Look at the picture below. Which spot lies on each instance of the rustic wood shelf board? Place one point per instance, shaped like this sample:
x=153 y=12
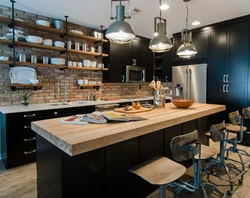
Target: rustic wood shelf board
x=86 y=53
x=34 y=26
x=87 y=68
x=90 y=85
x=16 y=86
x=27 y=64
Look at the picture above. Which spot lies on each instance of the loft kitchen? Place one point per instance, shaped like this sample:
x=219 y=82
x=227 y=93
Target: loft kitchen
x=124 y=98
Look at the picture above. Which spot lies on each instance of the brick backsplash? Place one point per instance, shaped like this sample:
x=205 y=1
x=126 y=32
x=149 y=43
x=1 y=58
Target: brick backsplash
x=50 y=77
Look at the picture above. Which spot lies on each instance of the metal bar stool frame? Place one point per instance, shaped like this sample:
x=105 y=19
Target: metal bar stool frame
x=197 y=184
x=219 y=133
x=237 y=119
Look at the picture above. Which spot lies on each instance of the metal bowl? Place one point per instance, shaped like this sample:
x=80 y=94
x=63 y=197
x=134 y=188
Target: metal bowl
x=182 y=103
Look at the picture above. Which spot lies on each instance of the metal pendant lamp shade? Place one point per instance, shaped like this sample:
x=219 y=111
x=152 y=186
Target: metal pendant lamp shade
x=120 y=31
x=160 y=43
x=187 y=49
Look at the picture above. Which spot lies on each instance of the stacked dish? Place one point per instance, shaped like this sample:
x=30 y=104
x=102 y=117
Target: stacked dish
x=47 y=42
x=59 y=44
x=43 y=23
x=34 y=39
x=76 y=32
x=57 y=61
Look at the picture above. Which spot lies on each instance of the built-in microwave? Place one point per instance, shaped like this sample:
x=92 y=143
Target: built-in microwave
x=135 y=74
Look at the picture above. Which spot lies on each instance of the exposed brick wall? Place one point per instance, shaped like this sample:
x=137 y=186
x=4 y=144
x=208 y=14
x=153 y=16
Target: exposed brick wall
x=50 y=77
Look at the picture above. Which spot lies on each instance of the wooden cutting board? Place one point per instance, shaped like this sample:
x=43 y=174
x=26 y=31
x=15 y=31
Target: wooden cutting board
x=142 y=109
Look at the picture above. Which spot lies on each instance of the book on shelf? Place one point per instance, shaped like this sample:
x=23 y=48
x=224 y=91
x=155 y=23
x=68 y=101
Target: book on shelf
x=121 y=117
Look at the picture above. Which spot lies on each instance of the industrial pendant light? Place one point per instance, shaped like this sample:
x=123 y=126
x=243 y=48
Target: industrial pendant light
x=187 y=49
x=120 y=31
x=160 y=43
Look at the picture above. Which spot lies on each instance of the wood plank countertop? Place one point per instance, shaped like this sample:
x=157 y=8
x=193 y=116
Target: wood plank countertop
x=77 y=139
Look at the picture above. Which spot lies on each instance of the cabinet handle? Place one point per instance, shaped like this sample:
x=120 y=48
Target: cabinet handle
x=224 y=78
x=227 y=90
x=26 y=116
x=123 y=78
x=224 y=86
x=31 y=139
x=55 y=113
x=27 y=127
x=29 y=152
x=227 y=78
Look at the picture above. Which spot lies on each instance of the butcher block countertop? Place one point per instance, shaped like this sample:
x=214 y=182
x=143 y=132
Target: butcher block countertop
x=77 y=139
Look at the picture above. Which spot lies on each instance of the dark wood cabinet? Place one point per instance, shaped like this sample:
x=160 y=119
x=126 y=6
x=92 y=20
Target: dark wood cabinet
x=18 y=141
x=122 y=55
x=228 y=66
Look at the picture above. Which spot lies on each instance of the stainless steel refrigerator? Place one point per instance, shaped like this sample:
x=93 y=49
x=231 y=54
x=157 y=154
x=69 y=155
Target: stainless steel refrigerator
x=190 y=82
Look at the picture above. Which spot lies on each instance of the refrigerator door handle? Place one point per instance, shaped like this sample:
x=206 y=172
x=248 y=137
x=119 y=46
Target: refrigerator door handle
x=189 y=82
x=224 y=78
x=224 y=86
x=227 y=78
x=186 y=81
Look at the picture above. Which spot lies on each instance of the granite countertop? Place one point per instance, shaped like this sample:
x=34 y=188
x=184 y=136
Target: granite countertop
x=76 y=139
x=49 y=106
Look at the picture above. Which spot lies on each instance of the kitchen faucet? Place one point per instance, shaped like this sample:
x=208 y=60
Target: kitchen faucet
x=65 y=89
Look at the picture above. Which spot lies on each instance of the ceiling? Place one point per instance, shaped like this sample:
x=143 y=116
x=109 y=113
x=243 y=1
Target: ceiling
x=92 y=13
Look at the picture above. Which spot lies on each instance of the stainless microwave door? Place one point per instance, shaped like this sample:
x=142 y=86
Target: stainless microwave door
x=179 y=76
x=198 y=83
x=135 y=74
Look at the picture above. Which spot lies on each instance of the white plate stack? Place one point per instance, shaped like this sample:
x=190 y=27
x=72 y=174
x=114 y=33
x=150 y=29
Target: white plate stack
x=57 y=61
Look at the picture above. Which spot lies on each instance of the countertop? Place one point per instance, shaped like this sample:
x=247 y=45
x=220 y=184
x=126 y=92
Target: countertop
x=48 y=106
x=76 y=139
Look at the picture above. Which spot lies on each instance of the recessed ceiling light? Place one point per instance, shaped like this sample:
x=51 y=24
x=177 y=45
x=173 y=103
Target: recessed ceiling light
x=195 y=23
x=164 y=6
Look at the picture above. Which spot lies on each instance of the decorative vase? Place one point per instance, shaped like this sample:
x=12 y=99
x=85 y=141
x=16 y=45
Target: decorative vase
x=25 y=103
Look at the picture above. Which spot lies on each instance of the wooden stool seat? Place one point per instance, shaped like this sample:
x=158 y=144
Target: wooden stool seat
x=230 y=135
x=206 y=152
x=234 y=128
x=159 y=171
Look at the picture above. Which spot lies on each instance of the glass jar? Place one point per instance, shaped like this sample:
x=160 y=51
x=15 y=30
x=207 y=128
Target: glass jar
x=159 y=99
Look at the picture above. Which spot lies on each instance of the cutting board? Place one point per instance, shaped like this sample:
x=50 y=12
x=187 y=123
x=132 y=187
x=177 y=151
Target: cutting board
x=142 y=109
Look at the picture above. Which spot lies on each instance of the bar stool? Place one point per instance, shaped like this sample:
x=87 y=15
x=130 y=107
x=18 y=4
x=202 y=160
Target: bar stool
x=163 y=171
x=236 y=127
x=218 y=133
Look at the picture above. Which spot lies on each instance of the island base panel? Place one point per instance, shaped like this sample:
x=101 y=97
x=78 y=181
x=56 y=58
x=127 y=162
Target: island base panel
x=103 y=172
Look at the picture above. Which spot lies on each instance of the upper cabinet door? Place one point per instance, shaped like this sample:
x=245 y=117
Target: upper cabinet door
x=219 y=60
x=137 y=51
x=239 y=42
x=147 y=59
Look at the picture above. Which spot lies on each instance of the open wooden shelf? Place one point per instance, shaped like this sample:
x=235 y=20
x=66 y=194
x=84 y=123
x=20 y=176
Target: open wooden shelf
x=34 y=26
x=32 y=45
x=33 y=64
x=16 y=86
x=84 y=37
x=87 y=68
x=90 y=85
x=72 y=51
x=45 y=47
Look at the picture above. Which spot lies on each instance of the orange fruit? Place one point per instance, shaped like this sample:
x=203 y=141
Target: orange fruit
x=133 y=104
x=138 y=105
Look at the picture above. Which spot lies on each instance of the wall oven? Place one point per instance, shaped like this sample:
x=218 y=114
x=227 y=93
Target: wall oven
x=135 y=74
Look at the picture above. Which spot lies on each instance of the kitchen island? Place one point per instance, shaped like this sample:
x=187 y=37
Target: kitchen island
x=93 y=160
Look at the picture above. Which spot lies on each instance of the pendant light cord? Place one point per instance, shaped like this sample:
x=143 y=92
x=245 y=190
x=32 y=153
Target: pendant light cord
x=187 y=16
x=160 y=9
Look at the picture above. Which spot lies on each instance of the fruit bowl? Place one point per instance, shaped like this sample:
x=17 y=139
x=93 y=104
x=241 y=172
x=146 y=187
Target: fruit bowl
x=182 y=103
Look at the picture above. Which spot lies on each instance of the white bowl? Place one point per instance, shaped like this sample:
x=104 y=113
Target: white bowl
x=57 y=61
x=47 y=42
x=76 y=31
x=4 y=58
x=34 y=39
x=43 y=23
x=16 y=31
x=59 y=44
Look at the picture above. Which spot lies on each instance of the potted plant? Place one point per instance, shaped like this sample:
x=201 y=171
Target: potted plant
x=25 y=98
